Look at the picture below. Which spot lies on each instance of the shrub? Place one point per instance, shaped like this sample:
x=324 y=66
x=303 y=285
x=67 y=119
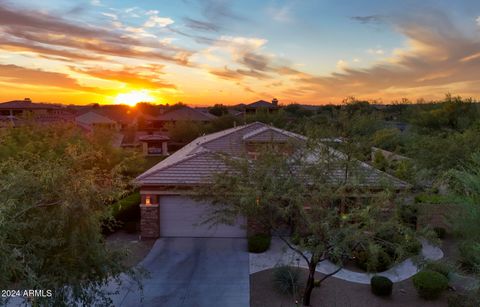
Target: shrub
x=430 y=284
x=470 y=255
x=440 y=232
x=259 y=243
x=413 y=247
x=381 y=286
x=439 y=267
x=408 y=215
x=286 y=280
x=371 y=262
x=126 y=209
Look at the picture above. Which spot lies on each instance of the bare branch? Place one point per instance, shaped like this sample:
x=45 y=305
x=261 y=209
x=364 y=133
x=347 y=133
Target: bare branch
x=295 y=249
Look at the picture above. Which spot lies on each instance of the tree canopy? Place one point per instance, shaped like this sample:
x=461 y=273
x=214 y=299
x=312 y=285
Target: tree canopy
x=55 y=186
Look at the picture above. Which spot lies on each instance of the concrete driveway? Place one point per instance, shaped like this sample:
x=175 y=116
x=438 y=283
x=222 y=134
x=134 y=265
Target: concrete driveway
x=194 y=272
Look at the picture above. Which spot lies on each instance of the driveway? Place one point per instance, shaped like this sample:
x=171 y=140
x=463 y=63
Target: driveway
x=194 y=272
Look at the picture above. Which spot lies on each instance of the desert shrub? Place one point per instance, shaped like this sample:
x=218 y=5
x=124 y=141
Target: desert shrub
x=286 y=280
x=440 y=232
x=413 y=246
x=373 y=262
x=430 y=284
x=408 y=215
x=440 y=267
x=381 y=286
x=259 y=243
x=470 y=256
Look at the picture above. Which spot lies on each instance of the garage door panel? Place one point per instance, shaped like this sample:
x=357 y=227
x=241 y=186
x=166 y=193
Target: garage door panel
x=183 y=217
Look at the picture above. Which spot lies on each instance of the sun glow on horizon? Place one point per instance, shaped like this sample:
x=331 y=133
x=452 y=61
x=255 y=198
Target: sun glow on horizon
x=133 y=97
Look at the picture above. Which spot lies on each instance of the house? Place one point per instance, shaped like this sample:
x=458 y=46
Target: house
x=92 y=120
x=154 y=144
x=261 y=105
x=171 y=117
x=39 y=112
x=167 y=210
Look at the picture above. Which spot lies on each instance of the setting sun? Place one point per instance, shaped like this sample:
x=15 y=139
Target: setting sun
x=134 y=97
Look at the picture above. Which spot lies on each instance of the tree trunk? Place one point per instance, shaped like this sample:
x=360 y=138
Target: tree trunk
x=310 y=282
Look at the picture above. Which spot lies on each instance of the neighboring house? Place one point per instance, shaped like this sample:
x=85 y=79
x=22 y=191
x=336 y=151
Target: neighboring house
x=167 y=210
x=92 y=120
x=154 y=144
x=261 y=105
x=39 y=112
x=171 y=117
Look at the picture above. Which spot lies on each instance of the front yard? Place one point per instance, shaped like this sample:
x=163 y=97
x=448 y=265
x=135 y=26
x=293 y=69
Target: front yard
x=337 y=292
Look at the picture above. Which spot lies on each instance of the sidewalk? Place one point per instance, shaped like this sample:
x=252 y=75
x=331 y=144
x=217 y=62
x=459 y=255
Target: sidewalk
x=280 y=254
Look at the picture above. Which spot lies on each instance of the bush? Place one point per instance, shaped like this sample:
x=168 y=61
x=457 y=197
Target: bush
x=286 y=280
x=413 y=247
x=408 y=215
x=430 y=284
x=439 y=267
x=470 y=256
x=378 y=262
x=381 y=286
x=259 y=243
x=127 y=209
x=440 y=232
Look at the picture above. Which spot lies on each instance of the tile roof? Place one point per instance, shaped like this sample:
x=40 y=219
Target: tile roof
x=262 y=104
x=93 y=118
x=27 y=104
x=185 y=113
x=196 y=161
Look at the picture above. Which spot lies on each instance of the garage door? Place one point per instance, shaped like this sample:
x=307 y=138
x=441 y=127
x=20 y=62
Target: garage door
x=182 y=217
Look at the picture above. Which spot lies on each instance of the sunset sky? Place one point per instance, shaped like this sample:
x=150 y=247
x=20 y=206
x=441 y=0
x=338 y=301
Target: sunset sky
x=213 y=51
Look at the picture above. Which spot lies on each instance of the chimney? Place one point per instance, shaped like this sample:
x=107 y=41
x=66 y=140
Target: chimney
x=275 y=102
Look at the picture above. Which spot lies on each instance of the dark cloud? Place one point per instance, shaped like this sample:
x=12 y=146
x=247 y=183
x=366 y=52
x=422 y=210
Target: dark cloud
x=238 y=74
x=368 y=19
x=28 y=27
x=201 y=25
x=216 y=16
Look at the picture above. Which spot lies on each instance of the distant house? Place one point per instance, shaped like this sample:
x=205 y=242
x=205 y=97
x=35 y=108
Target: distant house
x=39 y=112
x=171 y=117
x=154 y=144
x=92 y=120
x=167 y=208
x=261 y=105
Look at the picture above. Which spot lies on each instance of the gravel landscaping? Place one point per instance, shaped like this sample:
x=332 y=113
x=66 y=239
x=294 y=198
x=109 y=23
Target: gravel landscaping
x=337 y=292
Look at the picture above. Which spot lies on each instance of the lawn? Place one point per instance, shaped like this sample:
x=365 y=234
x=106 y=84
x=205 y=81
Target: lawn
x=337 y=292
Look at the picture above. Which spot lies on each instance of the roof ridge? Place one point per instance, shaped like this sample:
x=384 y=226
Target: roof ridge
x=190 y=147
x=186 y=158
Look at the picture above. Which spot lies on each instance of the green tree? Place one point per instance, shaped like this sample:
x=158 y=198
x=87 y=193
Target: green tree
x=55 y=187
x=303 y=190
x=218 y=110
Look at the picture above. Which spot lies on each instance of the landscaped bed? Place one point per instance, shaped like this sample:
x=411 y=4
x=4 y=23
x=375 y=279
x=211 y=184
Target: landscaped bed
x=337 y=292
